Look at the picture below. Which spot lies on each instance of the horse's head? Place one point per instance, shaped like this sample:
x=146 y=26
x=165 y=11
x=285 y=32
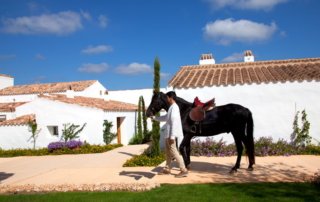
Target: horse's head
x=158 y=102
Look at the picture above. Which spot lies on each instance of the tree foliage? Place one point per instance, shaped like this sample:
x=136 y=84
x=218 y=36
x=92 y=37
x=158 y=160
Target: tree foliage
x=33 y=127
x=300 y=135
x=108 y=136
x=155 y=134
x=71 y=131
x=142 y=134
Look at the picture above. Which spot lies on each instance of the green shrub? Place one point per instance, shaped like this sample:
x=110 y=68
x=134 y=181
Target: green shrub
x=84 y=149
x=136 y=139
x=108 y=136
x=71 y=131
x=300 y=136
x=145 y=160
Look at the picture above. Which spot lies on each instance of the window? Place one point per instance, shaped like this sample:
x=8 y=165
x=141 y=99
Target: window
x=3 y=117
x=54 y=130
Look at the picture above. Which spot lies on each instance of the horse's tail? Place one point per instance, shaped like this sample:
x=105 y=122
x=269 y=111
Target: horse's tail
x=250 y=143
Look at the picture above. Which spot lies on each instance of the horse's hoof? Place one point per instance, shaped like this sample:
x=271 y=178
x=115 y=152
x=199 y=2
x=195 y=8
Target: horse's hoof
x=250 y=169
x=232 y=171
x=188 y=167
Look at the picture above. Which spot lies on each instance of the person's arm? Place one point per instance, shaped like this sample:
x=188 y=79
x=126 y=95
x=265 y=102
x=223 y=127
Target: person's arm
x=160 y=118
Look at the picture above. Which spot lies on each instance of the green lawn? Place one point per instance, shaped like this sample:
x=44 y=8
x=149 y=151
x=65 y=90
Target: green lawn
x=194 y=192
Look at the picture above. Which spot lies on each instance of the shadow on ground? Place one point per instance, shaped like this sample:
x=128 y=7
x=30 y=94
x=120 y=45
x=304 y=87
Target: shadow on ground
x=4 y=176
x=137 y=175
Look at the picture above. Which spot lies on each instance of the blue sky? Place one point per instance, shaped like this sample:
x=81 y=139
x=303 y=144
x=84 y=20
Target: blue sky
x=116 y=41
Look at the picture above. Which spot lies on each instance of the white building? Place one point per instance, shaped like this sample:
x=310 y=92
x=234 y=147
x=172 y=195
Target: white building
x=56 y=104
x=272 y=90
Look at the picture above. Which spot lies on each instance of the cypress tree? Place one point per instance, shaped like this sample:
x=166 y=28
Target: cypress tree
x=140 y=138
x=144 y=120
x=155 y=147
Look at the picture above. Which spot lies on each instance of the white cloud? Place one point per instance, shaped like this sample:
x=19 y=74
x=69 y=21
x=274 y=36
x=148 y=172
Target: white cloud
x=246 y=4
x=97 y=49
x=93 y=68
x=103 y=21
x=40 y=57
x=85 y=15
x=134 y=68
x=235 y=57
x=229 y=30
x=59 y=24
x=164 y=75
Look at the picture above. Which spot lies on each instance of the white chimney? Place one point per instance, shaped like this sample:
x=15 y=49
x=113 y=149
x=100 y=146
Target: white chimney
x=70 y=92
x=248 y=56
x=6 y=81
x=206 y=59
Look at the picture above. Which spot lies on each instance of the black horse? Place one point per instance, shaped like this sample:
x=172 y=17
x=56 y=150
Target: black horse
x=232 y=118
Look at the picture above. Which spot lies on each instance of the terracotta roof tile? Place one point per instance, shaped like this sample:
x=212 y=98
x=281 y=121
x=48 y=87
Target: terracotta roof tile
x=10 y=107
x=21 y=120
x=216 y=77
x=110 y=105
x=46 y=88
x=4 y=75
x=247 y=73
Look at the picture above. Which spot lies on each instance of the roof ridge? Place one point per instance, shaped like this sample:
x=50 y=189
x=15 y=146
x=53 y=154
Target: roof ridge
x=99 y=103
x=233 y=64
x=47 y=87
x=20 y=120
x=65 y=82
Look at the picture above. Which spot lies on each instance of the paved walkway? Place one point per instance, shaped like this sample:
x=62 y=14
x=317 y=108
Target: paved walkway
x=107 y=168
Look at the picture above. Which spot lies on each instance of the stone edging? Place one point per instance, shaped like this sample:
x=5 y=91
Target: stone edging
x=104 y=187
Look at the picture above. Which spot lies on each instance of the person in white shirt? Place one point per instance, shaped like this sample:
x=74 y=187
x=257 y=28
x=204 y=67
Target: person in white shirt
x=173 y=135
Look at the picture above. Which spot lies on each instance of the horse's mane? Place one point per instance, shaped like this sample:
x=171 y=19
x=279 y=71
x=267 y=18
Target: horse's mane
x=183 y=101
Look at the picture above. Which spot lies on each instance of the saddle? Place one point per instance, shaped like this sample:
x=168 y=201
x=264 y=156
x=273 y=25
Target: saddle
x=198 y=111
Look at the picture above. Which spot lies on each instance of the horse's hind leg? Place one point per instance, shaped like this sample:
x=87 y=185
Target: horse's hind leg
x=188 y=151
x=185 y=150
x=246 y=144
x=239 y=146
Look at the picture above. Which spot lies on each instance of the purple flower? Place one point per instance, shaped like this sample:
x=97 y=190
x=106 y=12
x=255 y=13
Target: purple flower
x=55 y=145
x=74 y=144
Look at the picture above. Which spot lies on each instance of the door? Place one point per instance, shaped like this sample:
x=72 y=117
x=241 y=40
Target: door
x=119 y=122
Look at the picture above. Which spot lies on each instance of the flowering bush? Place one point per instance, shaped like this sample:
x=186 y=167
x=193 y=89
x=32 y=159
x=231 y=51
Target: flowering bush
x=210 y=147
x=55 y=146
x=264 y=146
x=72 y=144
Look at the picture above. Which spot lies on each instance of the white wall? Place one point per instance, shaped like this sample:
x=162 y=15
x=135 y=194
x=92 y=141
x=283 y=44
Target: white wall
x=93 y=91
x=127 y=126
x=9 y=115
x=18 y=98
x=13 y=137
x=54 y=113
x=6 y=81
x=132 y=96
x=273 y=105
